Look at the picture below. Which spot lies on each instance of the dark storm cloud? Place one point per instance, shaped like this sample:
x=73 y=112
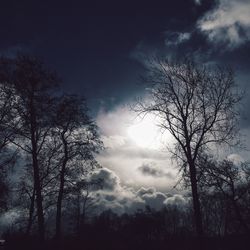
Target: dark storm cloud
x=109 y=180
x=151 y=170
x=100 y=51
x=89 y=43
x=219 y=35
x=226 y=28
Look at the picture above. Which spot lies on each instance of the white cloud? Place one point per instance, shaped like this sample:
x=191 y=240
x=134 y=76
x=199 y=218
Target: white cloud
x=150 y=169
x=152 y=198
x=124 y=154
x=228 y=23
x=113 y=141
x=113 y=195
x=122 y=199
x=235 y=158
x=176 y=38
x=113 y=123
x=119 y=202
x=177 y=200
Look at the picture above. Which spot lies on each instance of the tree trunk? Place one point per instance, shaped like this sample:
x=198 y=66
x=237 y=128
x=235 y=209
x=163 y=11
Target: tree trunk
x=84 y=207
x=78 y=215
x=37 y=183
x=61 y=190
x=194 y=187
x=39 y=198
x=196 y=201
x=59 y=204
x=31 y=212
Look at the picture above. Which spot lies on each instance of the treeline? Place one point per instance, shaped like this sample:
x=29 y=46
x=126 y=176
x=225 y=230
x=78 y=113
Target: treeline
x=47 y=140
x=172 y=227
x=225 y=204
x=224 y=188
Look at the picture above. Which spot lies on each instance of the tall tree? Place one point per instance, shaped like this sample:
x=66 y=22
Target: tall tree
x=196 y=104
x=79 y=142
x=7 y=155
x=33 y=85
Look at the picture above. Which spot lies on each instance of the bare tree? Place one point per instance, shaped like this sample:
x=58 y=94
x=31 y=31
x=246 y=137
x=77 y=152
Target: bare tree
x=33 y=85
x=196 y=104
x=79 y=141
x=7 y=154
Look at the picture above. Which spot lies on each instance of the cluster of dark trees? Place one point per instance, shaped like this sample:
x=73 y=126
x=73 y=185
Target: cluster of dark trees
x=171 y=228
x=224 y=191
x=51 y=140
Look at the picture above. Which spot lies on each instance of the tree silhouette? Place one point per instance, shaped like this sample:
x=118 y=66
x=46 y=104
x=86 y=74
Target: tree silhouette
x=7 y=155
x=196 y=104
x=33 y=85
x=79 y=141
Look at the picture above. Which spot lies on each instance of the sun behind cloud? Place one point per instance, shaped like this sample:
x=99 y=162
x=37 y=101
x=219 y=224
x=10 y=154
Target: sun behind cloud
x=145 y=132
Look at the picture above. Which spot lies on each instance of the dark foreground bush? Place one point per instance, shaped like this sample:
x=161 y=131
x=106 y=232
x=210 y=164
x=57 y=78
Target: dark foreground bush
x=119 y=242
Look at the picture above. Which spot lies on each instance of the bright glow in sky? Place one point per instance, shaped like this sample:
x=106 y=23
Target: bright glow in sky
x=145 y=132
x=132 y=142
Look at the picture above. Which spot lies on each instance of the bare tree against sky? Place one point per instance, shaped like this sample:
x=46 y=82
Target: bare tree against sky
x=7 y=154
x=79 y=141
x=33 y=85
x=197 y=105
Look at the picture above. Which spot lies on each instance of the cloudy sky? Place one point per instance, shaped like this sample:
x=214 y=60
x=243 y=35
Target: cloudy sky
x=99 y=49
